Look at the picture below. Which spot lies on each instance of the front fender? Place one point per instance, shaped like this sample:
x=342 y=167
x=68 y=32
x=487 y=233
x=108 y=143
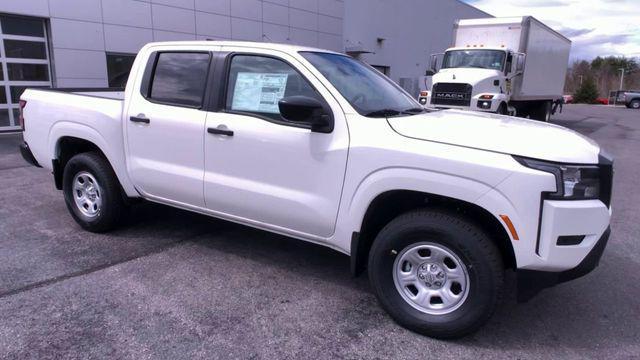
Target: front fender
x=411 y=179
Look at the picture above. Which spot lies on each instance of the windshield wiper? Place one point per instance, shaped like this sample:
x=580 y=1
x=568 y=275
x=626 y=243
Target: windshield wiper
x=383 y=113
x=412 y=111
x=394 y=112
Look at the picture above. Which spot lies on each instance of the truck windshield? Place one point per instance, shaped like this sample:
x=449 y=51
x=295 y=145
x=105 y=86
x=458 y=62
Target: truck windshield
x=369 y=92
x=482 y=59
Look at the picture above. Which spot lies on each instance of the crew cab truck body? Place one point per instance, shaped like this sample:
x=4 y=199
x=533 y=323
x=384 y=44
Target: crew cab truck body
x=514 y=65
x=631 y=99
x=319 y=146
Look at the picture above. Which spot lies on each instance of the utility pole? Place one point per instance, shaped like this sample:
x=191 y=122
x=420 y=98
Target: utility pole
x=621 y=78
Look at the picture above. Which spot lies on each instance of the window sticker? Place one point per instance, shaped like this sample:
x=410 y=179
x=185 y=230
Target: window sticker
x=259 y=92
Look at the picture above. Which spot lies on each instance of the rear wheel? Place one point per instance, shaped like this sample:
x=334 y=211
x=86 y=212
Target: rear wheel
x=541 y=111
x=92 y=192
x=436 y=273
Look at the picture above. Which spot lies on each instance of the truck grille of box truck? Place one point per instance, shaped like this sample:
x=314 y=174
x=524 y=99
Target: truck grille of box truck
x=451 y=94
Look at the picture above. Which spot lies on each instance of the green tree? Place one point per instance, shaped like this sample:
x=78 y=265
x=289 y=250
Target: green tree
x=587 y=92
x=605 y=73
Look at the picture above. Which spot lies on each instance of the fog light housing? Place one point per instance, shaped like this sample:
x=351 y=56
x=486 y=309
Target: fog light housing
x=484 y=104
x=571 y=240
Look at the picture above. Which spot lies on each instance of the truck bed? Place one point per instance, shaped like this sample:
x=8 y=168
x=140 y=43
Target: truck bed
x=93 y=114
x=108 y=93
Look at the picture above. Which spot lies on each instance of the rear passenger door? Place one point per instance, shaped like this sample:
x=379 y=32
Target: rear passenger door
x=165 y=124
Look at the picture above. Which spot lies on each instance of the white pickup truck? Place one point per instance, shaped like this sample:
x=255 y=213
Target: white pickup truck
x=318 y=146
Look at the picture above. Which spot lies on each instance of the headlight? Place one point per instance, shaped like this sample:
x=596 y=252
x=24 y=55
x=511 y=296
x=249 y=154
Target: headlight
x=573 y=182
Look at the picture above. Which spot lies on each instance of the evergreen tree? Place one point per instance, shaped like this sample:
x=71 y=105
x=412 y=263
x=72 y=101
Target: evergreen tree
x=587 y=92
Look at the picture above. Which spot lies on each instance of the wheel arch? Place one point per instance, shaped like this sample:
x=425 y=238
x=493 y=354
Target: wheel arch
x=68 y=138
x=67 y=147
x=390 y=204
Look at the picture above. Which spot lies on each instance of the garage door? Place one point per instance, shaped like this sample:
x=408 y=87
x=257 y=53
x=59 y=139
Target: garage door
x=24 y=62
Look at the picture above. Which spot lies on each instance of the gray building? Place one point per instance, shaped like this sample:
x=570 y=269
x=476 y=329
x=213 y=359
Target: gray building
x=92 y=43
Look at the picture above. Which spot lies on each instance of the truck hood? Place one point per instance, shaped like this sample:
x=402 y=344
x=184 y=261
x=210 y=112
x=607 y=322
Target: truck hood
x=465 y=75
x=503 y=134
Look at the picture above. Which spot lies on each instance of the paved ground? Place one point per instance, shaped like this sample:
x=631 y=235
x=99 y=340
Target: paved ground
x=171 y=284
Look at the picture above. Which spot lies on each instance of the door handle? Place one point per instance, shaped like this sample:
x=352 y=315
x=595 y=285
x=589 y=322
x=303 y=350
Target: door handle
x=219 y=131
x=139 y=119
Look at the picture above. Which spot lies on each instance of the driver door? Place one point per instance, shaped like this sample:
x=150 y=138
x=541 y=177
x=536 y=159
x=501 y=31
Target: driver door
x=261 y=168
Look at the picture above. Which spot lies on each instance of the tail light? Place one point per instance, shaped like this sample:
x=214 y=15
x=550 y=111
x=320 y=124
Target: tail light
x=23 y=104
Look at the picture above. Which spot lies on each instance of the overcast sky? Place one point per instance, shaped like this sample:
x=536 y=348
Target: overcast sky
x=596 y=27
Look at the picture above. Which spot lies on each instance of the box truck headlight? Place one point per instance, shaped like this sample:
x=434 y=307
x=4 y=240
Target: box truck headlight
x=573 y=182
x=423 y=97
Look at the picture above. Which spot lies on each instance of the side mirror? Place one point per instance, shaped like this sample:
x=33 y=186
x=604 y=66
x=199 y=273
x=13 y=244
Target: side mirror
x=307 y=110
x=433 y=64
x=520 y=61
x=429 y=73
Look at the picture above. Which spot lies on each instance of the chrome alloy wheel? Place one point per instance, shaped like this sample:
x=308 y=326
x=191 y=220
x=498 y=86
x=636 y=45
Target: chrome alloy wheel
x=87 y=194
x=431 y=278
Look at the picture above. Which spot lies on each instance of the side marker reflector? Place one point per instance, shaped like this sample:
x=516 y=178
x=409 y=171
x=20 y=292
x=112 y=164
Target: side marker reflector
x=512 y=229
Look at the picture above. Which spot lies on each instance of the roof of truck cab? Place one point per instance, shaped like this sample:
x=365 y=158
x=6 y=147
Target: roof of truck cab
x=249 y=44
x=478 y=48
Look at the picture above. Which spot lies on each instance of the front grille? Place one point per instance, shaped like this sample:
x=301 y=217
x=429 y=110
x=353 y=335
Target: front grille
x=451 y=94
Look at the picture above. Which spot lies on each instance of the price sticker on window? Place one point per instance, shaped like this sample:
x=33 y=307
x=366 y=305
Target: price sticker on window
x=259 y=92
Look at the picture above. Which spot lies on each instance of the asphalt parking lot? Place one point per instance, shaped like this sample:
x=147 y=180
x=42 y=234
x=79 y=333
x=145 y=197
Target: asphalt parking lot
x=171 y=284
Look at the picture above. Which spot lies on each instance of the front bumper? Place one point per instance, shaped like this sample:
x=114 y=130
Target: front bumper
x=531 y=282
x=475 y=104
x=27 y=155
x=583 y=220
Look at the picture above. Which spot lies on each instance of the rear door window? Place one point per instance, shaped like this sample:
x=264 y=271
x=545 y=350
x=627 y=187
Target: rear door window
x=180 y=78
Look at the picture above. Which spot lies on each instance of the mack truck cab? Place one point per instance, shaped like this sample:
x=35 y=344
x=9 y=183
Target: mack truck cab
x=475 y=79
x=510 y=66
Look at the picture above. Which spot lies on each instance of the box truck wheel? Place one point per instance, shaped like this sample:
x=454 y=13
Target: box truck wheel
x=502 y=109
x=436 y=273
x=541 y=111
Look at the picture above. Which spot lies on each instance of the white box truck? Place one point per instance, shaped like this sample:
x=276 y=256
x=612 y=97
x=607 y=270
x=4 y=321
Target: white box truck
x=513 y=65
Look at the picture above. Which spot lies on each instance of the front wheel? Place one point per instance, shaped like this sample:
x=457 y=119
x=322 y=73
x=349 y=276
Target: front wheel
x=635 y=104
x=92 y=192
x=502 y=109
x=436 y=273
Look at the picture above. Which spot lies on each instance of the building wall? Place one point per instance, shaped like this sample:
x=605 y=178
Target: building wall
x=400 y=34
x=82 y=31
x=411 y=30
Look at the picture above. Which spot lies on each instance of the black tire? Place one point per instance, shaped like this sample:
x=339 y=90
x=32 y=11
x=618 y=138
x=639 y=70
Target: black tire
x=541 y=111
x=634 y=104
x=502 y=109
x=469 y=243
x=112 y=205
